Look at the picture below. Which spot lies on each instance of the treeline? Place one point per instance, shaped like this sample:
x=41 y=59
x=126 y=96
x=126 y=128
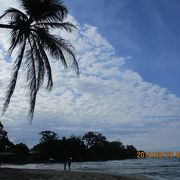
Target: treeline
x=92 y=146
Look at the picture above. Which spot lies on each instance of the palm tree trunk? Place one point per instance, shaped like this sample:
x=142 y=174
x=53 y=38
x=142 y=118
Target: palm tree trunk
x=6 y=26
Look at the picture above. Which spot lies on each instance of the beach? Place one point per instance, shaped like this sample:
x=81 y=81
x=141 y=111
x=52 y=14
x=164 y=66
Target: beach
x=35 y=174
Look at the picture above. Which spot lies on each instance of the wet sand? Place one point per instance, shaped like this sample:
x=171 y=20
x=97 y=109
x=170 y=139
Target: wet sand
x=27 y=174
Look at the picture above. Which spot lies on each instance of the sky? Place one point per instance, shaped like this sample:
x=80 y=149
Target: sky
x=128 y=54
x=146 y=30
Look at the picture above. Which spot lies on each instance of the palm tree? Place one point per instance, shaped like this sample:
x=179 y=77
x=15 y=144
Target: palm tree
x=30 y=32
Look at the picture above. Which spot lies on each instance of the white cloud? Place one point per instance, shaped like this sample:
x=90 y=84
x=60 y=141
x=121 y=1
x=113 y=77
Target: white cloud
x=106 y=97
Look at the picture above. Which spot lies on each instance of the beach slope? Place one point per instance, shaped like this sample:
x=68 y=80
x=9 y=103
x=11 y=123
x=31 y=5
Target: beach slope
x=27 y=174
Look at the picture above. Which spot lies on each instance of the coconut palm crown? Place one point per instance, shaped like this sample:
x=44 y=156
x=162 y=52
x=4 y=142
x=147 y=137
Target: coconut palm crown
x=30 y=32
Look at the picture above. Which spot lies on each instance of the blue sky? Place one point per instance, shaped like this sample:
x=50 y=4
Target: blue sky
x=128 y=54
x=146 y=30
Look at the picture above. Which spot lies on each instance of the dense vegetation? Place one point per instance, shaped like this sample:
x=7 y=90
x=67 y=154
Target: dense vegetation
x=92 y=146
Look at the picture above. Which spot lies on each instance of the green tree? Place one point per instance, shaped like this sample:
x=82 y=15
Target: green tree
x=131 y=151
x=75 y=148
x=91 y=139
x=21 y=149
x=48 y=136
x=48 y=146
x=5 y=144
x=30 y=32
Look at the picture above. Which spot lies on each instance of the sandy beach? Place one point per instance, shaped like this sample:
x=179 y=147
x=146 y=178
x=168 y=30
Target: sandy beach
x=26 y=174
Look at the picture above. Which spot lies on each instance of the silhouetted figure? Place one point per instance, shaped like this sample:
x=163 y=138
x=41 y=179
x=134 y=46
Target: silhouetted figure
x=69 y=163
x=65 y=163
x=64 y=154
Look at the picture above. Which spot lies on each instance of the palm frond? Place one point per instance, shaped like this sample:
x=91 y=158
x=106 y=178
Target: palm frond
x=64 y=25
x=49 y=42
x=13 y=13
x=47 y=65
x=13 y=81
x=16 y=38
x=56 y=46
x=56 y=12
x=40 y=64
x=45 y=10
x=69 y=49
x=31 y=79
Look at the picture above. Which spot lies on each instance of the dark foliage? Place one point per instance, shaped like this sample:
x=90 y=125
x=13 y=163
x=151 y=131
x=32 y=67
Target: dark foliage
x=5 y=144
x=92 y=146
x=21 y=149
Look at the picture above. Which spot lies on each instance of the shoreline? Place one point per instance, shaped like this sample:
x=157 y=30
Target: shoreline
x=39 y=174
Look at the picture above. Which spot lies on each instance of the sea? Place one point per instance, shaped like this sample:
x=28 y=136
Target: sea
x=157 y=169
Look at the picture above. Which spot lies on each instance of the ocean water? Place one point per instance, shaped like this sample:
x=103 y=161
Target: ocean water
x=157 y=169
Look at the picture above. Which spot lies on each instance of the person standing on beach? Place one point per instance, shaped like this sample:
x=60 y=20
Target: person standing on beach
x=64 y=152
x=69 y=163
x=65 y=163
